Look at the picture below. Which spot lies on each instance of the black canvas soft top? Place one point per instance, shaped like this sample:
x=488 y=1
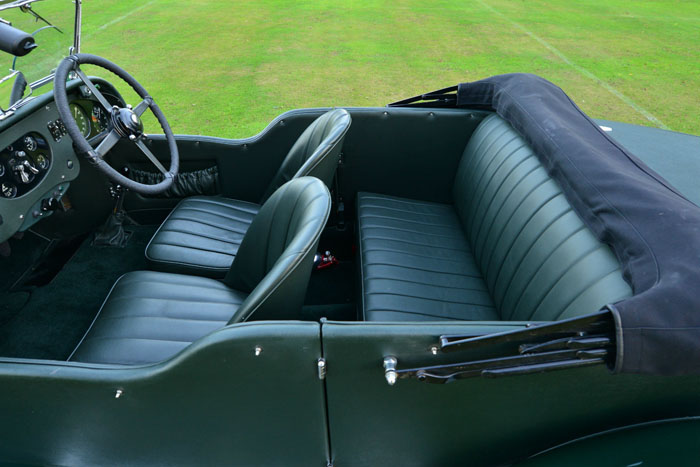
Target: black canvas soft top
x=652 y=228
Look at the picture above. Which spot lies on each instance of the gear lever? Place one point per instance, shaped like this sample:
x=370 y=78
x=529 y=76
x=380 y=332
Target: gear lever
x=112 y=232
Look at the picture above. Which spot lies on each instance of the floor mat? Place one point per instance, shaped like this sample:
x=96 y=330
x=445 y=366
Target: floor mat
x=57 y=315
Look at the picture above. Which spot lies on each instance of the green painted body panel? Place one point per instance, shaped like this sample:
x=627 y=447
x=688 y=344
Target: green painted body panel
x=479 y=421
x=676 y=156
x=216 y=403
x=668 y=442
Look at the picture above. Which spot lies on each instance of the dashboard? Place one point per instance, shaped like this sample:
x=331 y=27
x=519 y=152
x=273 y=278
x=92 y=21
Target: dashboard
x=37 y=159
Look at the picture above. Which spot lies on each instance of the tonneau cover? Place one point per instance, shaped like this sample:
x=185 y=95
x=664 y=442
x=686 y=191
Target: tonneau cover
x=651 y=227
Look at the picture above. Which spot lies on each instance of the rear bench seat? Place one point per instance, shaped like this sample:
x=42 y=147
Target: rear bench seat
x=510 y=247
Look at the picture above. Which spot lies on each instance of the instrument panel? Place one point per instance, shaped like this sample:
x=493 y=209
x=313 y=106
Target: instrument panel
x=37 y=158
x=23 y=164
x=91 y=118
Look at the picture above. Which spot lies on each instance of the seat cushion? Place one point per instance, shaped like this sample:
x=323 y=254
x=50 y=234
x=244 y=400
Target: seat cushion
x=417 y=264
x=149 y=316
x=538 y=259
x=201 y=236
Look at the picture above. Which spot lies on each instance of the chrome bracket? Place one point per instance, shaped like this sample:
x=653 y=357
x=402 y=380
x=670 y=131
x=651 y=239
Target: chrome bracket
x=321 y=365
x=390 y=374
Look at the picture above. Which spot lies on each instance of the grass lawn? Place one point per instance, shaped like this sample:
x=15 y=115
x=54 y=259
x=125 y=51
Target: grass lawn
x=226 y=68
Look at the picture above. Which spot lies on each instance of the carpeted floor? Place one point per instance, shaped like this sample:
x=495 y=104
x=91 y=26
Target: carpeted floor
x=48 y=321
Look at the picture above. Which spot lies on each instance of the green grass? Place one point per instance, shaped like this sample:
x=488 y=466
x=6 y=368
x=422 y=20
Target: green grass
x=226 y=68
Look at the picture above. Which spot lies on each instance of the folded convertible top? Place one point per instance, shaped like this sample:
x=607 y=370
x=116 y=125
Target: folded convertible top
x=652 y=228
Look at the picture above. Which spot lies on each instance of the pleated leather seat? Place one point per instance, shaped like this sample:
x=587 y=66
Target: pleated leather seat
x=201 y=236
x=417 y=264
x=149 y=316
x=510 y=247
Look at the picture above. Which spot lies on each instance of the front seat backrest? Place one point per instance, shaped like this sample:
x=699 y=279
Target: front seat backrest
x=274 y=261
x=316 y=152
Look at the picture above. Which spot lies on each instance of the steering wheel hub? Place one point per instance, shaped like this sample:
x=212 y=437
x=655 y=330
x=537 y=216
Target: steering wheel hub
x=126 y=123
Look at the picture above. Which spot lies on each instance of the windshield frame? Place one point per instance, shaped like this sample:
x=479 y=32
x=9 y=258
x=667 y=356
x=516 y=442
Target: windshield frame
x=75 y=48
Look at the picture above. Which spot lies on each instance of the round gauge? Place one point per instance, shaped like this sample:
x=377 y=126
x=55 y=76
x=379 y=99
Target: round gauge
x=99 y=117
x=30 y=143
x=80 y=118
x=8 y=190
x=41 y=161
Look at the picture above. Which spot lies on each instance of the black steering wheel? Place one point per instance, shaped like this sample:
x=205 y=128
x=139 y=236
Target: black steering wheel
x=122 y=123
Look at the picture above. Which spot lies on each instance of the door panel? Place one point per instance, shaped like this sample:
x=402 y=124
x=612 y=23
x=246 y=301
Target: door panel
x=217 y=403
x=475 y=421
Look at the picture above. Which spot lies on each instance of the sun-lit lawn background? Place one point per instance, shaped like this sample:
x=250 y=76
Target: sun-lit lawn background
x=227 y=67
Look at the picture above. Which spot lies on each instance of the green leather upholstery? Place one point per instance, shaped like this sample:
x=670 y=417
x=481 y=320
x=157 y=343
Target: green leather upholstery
x=275 y=258
x=201 y=236
x=510 y=236
x=149 y=316
x=316 y=152
x=417 y=264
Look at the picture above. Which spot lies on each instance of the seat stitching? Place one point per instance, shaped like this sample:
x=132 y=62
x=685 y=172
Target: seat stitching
x=367 y=237
x=223 y=204
x=201 y=222
x=418 y=232
x=542 y=264
x=516 y=209
x=562 y=276
x=210 y=237
x=483 y=289
x=584 y=290
x=412 y=202
x=440 y=300
x=423 y=269
x=218 y=286
x=242 y=220
x=505 y=198
x=440 y=214
x=403 y=252
x=177 y=300
x=452 y=225
x=188 y=247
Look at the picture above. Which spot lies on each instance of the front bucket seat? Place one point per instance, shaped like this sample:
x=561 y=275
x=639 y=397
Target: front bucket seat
x=149 y=316
x=202 y=235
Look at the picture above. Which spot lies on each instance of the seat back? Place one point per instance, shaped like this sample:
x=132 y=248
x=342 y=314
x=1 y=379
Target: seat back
x=316 y=152
x=539 y=261
x=274 y=261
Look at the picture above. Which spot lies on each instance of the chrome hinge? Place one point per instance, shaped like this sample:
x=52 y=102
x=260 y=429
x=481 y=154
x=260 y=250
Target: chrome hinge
x=321 y=364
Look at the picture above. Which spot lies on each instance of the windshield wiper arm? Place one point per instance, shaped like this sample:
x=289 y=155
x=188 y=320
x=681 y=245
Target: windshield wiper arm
x=27 y=8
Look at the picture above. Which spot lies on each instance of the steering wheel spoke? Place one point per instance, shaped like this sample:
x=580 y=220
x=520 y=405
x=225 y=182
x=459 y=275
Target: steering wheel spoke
x=93 y=89
x=107 y=143
x=143 y=106
x=144 y=149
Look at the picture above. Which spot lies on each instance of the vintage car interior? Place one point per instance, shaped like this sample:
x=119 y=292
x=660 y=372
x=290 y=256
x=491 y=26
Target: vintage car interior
x=261 y=299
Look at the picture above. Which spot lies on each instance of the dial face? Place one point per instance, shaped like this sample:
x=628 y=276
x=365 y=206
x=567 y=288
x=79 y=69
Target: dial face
x=2 y=170
x=30 y=143
x=80 y=118
x=8 y=190
x=99 y=118
x=41 y=161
